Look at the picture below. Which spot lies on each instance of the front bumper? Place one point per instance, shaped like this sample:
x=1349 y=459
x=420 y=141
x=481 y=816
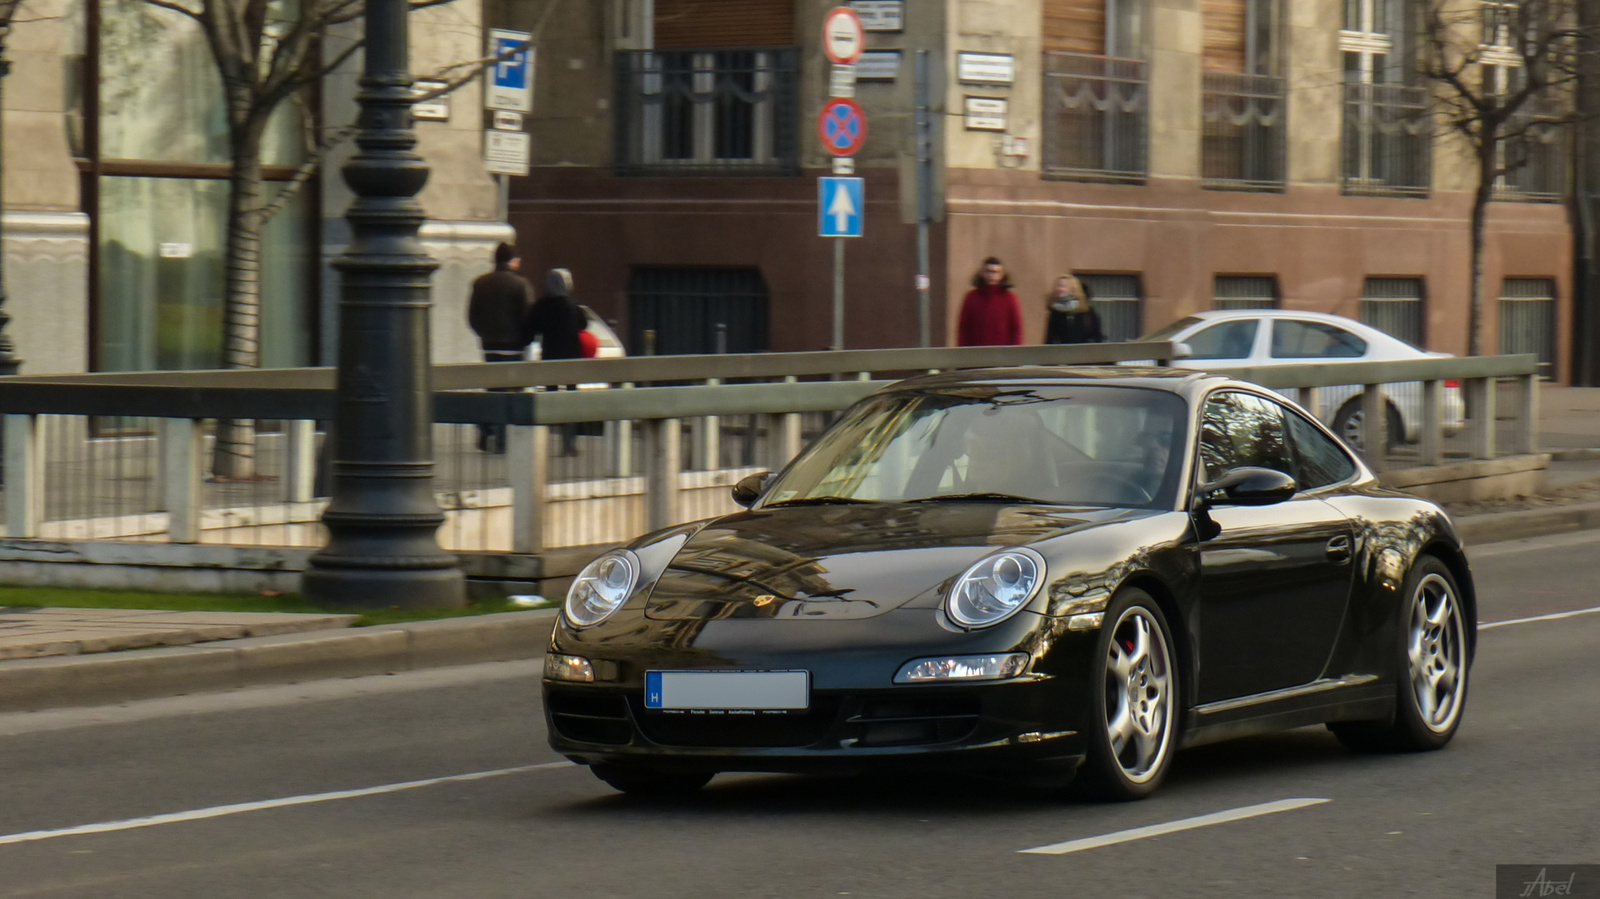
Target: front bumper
x=1027 y=721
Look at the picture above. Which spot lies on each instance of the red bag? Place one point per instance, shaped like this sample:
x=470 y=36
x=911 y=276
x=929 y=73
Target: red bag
x=589 y=342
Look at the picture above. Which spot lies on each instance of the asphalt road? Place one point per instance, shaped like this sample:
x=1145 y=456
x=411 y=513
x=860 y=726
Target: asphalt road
x=333 y=769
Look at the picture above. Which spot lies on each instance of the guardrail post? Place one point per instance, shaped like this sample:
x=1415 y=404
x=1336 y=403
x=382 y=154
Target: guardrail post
x=1481 y=416
x=619 y=445
x=299 y=461
x=788 y=434
x=528 y=468
x=1527 y=414
x=1430 y=440
x=706 y=438
x=1309 y=400
x=663 y=467
x=1374 y=427
x=182 y=442
x=24 y=475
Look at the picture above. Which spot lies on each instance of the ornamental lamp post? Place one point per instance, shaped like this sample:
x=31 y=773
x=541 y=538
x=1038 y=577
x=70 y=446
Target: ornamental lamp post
x=383 y=550
x=9 y=363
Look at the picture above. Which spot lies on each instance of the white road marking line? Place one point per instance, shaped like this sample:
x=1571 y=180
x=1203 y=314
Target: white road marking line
x=1554 y=616
x=241 y=807
x=1155 y=830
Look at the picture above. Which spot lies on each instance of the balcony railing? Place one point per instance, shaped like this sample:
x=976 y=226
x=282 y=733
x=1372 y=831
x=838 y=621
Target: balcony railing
x=1536 y=156
x=1244 y=120
x=1388 y=146
x=707 y=112
x=1096 y=118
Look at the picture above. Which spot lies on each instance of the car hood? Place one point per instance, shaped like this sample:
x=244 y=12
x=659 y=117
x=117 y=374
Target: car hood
x=845 y=561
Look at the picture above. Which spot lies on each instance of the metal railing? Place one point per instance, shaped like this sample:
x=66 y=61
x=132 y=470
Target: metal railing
x=1244 y=121
x=1388 y=144
x=707 y=112
x=1096 y=118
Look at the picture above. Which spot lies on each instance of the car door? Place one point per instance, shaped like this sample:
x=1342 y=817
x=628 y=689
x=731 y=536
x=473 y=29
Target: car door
x=1275 y=579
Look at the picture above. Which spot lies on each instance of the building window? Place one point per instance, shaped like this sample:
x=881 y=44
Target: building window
x=1395 y=307
x=1246 y=292
x=1532 y=156
x=1243 y=109
x=674 y=311
x=1387 y=146
x=1096 y=91
x=708 y=112
x=1528 y=320
x=1117 y=299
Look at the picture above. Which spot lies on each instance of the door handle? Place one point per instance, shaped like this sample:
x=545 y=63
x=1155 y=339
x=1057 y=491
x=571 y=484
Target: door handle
x=1339 y=549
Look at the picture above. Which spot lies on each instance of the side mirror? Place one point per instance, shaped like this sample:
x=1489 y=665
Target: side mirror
x=1181 y=350
x=750 y=487
x=1248 y=487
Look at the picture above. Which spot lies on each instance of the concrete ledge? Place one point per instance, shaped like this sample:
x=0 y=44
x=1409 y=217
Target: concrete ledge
x=35 y=684
x=1496 y=527
x=1475 y=480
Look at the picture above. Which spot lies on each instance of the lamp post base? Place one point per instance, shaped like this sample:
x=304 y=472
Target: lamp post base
x=333 y=587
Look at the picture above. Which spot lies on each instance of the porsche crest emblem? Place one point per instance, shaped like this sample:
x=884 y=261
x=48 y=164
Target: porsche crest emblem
x=766 y=599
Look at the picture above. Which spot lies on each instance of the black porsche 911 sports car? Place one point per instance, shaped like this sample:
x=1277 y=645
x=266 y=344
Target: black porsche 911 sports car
x=1033 y=572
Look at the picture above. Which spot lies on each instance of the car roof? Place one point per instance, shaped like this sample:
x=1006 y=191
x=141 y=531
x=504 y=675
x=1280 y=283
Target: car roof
x=1171 y=380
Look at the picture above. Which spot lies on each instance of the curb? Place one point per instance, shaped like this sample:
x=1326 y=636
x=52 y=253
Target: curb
x=1499 y=527
x=28 y=685
x=1588 y=454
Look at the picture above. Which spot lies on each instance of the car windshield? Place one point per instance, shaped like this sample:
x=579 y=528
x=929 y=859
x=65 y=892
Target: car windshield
x=1059 y=445
x=1167 y=332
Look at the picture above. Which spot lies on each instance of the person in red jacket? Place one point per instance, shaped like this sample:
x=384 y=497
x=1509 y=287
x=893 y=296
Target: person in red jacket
x=990 y=313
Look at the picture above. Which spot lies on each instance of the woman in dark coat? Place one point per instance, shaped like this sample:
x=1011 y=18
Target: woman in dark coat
x=1072 y=319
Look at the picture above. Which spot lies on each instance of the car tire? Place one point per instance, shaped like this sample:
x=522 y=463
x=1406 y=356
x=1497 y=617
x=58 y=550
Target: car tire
x=1433 y=654
x=1133 y=725
x=638 y=780
x=1347 y=425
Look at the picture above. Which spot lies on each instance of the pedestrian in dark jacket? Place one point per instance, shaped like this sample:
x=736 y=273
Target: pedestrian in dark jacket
x=556 y=322
x=498 y=313
x=1072 y=319
x=990 y=313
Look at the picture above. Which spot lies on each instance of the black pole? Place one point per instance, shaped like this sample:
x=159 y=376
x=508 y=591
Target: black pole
x=9 y=363
x=382 y=547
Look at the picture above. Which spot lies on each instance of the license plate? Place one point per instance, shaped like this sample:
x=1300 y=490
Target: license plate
x=727 y=690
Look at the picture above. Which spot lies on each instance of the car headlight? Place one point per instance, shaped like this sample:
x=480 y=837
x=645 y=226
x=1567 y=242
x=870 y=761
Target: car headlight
x=602 y=587
x=994 y=588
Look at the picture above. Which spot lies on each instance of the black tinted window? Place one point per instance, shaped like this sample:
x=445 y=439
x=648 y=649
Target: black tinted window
x=1228 y=340
x=1318 y=460
x=1294 y=339
x=1240 y=430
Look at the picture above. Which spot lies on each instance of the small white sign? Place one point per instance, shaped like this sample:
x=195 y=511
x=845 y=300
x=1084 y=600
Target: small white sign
x=985 y=68
x=842 y=81
x=924 y=282
x=878 y=65
x=844 y=165
x=506 y=120
x=511 y=76
x=986 y=114
x=842 y=35
x=175 y=250
x=880 y=15
x=507 y=152
x=435 y=110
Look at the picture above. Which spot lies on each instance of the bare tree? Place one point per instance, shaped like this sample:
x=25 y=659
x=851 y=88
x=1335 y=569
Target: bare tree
x=269 y=53
x=1502 y=74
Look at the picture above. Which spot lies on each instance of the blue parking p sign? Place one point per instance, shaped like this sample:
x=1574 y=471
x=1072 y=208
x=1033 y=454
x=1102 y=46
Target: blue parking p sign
x=511 y=76
x=840 y=207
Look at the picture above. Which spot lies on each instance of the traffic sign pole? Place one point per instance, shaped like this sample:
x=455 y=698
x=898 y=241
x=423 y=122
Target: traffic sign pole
x=843 y=129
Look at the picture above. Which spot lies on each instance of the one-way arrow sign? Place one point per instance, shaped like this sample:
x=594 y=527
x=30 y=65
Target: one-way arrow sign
x=839 y=206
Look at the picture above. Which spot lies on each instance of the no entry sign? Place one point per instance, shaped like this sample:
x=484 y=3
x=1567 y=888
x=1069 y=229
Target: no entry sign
x=843 y=37
x=842 y=126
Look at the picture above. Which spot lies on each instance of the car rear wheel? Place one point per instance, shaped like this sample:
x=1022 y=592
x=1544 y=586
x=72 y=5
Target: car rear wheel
x=1433 y=658
x=1347 y=425
x=638 y=780
x=1134 y=727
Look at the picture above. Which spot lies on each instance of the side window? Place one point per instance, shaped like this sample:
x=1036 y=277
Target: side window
x=1239 y=430
x=1294 y=339
x=1227 y=340
x=1318 y=460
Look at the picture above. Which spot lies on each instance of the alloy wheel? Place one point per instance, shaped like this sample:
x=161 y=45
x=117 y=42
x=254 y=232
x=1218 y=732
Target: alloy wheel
x=1139 y=702
x=1436 y=650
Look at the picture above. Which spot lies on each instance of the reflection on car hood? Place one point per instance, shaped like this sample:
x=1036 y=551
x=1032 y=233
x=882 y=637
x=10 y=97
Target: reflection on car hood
x=846 y=561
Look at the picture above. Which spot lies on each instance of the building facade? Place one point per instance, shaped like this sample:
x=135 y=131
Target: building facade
x=1182 y=155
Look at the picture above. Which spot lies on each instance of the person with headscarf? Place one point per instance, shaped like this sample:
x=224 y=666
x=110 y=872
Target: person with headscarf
x=556 y=321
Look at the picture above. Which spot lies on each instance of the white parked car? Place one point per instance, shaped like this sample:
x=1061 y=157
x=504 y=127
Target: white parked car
x=1255 y=337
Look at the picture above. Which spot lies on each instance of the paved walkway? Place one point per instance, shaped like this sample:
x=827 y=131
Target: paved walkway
x=30 y=633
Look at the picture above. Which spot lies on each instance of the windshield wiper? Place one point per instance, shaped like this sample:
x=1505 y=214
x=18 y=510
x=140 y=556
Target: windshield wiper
x=981 y=498
x=817 y=501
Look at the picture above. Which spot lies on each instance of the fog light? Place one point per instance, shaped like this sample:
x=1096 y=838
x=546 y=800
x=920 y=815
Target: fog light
x=568 y=668
x=962 y=668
